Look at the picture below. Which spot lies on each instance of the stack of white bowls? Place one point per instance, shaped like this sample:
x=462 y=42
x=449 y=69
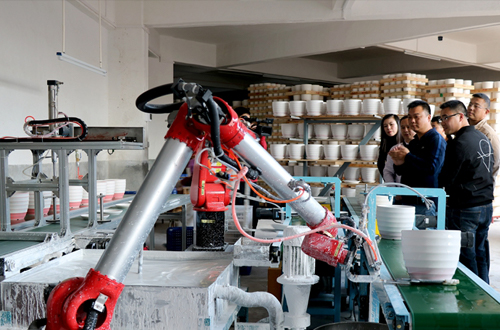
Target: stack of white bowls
x=392 y=219
x=334 y=107
x=322 y=131
x=368 y=152
x=75 y=196
x=431 y=255
x=314 y=151
x=314 y=107
x=369 y=174
x=18 y=206
x=300 y=130
x=349 y=151
x=355 y=131
x=316 y=190
x=120 y=185
x=339 y=131
x=332 y=151
x=352 y=107
x=297 y=108
x=296 y=150
x=392 y=106
x=371 y=106
x=110 y=190
x=278 y=150
x=101 y=189
x=85 y=199
x=289 y=130
x=31 y=205
x=280 y=108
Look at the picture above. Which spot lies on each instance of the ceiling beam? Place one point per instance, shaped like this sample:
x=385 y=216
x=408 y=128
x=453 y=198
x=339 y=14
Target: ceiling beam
x=336 y=36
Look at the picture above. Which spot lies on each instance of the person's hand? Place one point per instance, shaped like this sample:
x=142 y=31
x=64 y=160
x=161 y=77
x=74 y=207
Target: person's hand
x=398 y=154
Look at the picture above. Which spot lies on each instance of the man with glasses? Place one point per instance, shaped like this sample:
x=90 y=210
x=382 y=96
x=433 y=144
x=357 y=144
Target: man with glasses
x=478 y=109
x=467 y=178
x=419 y=164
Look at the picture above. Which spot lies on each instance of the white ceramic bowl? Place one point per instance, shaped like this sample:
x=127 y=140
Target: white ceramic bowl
x=352 y=107
x=334 y=107
x=391 y=106
x=280 y=108
x=296 y=150
x=370 y=106
x=369 y=174
x=392 y=219
x=339 y=131
x=300 y=130
x=349 y=192
x=297 y=108
x=431 y=255
x=314 y=107
x=18 y=204
x=120 y=186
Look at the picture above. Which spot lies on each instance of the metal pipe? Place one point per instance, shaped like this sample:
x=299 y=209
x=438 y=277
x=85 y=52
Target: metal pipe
x=141 y=216
x=278 y=178
x=253 y=299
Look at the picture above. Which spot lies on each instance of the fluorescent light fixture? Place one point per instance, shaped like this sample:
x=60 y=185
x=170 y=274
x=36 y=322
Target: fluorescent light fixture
x=428 y=56
x=81 y=64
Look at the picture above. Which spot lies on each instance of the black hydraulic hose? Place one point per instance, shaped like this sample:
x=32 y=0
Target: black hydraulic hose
x=215 y=135
x=142 y=101
x=91 y=320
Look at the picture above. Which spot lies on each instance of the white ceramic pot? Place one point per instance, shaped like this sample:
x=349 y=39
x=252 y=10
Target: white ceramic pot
x=368 y=152
x=322 y=131
x=300 y=130
x=318 y=170
x=313 y=107
x=369 y=174
x=332 y=170
x=315 y=191
x=278 y=151
x=289 y=130
x=18 y=204
x=280 y=108
x=297 y=108
x=339 y=131
x=355 y=131
x=314 y=151
x=352 y=173
x=75 y=196
x=349 y=151
x=296 y=150
x=392 y=219
x=298 y=170
x=431 y=255
x=120 y=185
x=352 y=107
x=391 y=106
x=349 y=192
x=334 y=107
x=370 y=106
x=332 y=151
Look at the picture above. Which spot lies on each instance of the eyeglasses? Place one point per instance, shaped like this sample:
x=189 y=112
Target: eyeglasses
x=445 y=118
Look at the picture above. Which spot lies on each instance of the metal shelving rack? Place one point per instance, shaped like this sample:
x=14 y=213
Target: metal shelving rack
x=60 y=185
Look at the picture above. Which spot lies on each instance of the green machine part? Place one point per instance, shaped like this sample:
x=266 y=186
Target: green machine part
x=436 y=306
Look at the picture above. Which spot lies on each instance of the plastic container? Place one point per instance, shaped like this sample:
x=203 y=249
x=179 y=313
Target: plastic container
x=174 y=238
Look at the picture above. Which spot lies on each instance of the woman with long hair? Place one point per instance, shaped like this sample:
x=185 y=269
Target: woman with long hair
x=407 y=134
x=390 y=136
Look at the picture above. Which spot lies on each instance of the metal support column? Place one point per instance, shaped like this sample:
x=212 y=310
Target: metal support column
x=38 y=194
x=4 y=197
x=92 y=186
x=63 y=193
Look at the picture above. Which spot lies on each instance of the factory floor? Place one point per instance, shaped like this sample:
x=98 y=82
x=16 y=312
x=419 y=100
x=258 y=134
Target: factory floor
x=257 y=280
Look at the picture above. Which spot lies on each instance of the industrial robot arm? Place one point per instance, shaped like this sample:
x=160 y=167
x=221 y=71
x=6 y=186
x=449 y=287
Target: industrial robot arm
x=201 y=119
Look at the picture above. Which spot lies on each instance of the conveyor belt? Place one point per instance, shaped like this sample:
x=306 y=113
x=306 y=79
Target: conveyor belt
x=435 y=306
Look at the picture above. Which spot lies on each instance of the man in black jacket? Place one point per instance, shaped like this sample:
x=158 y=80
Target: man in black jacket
x=467 y=178
x=420 y=164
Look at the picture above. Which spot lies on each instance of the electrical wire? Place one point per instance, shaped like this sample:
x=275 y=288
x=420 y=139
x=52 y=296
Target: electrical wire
x=39 y=160
x=321 y=228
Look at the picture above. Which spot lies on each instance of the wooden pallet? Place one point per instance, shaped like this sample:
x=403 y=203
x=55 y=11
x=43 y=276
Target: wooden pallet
x=448 y=95
x=412 y=93
x=386 y=87
x=358 y=163
x=403 y=78
x=429 y=87
x=307 y=92
x=487 y=90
